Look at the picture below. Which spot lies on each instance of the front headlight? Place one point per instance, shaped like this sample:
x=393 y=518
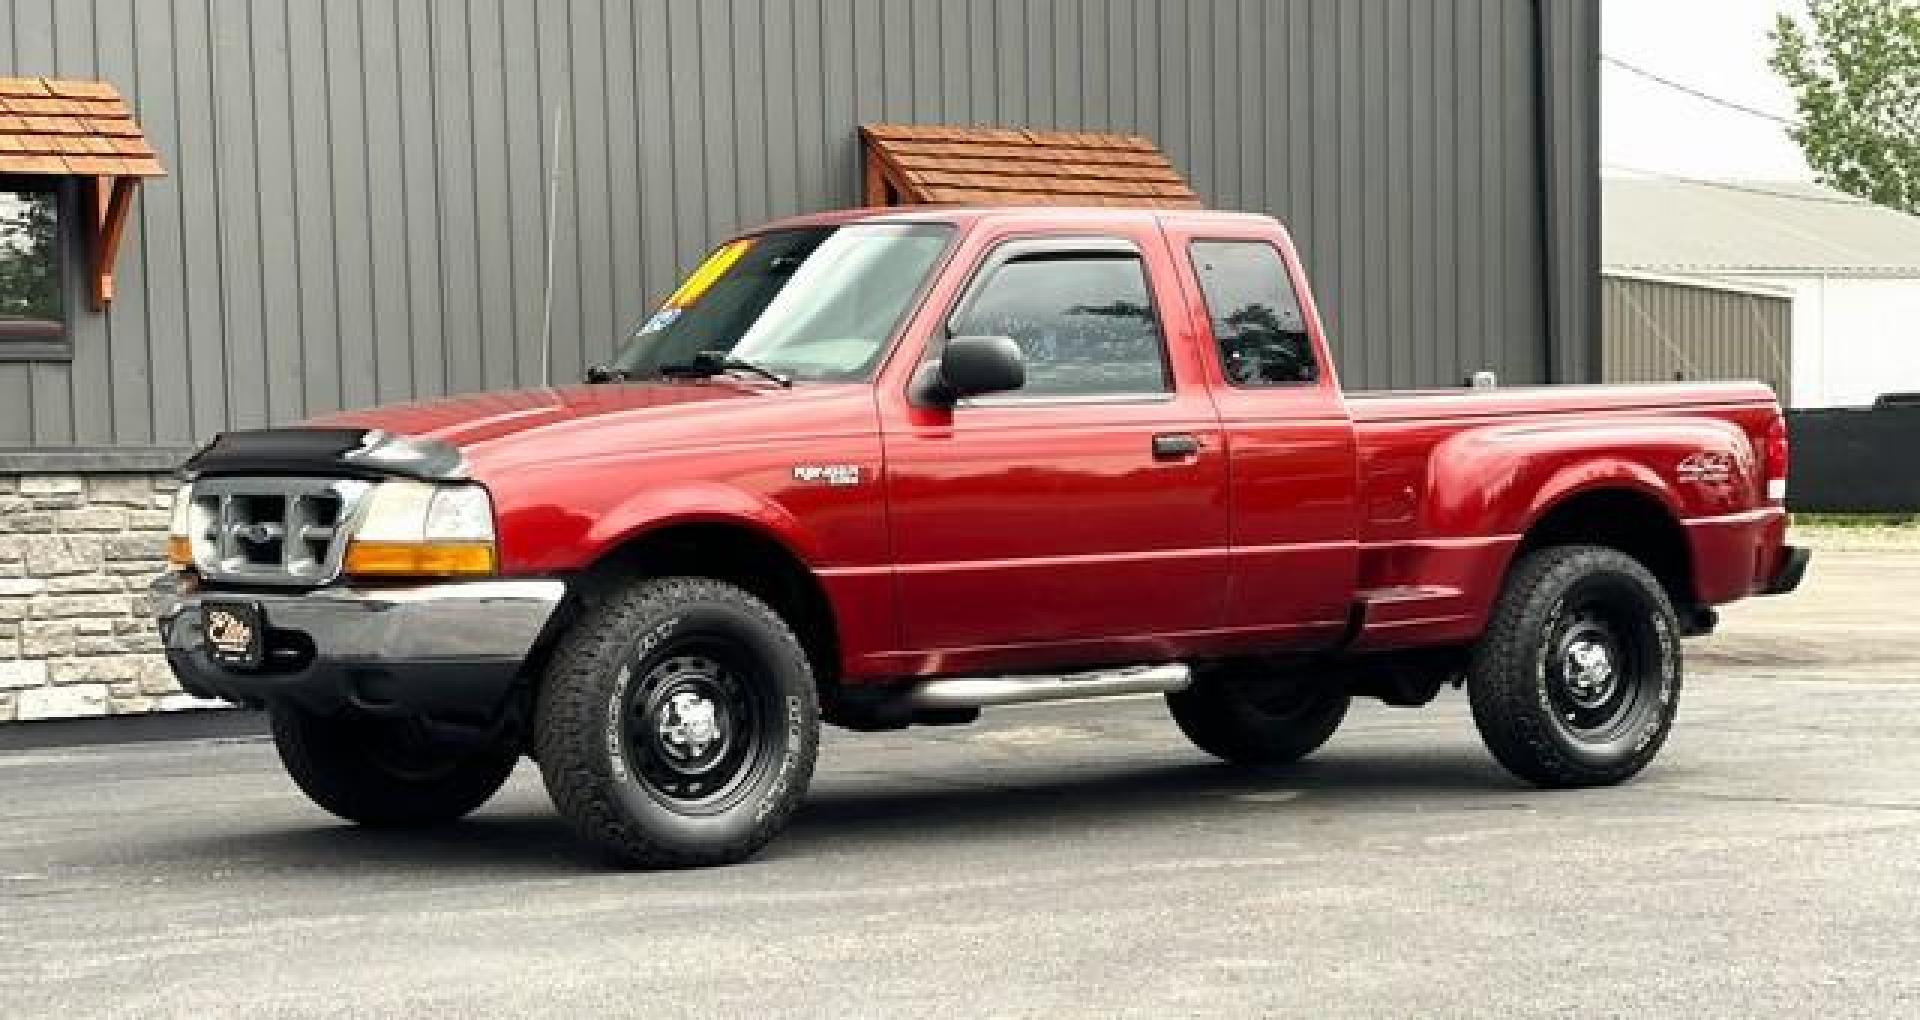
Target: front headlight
x=417 y=529
x=180 y=531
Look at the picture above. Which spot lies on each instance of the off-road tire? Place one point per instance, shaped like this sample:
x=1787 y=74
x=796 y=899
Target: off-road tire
x=602 y=772
x=1242 y=716
x=1517 y=680
x=372 y=772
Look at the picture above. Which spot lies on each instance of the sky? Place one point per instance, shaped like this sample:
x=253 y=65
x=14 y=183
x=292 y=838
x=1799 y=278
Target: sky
x=1715 y=46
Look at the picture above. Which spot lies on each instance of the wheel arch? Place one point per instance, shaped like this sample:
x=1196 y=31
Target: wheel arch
x=737 y=551
x=1620 y=515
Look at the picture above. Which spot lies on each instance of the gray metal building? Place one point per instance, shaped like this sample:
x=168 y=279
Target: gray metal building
x=357 y=204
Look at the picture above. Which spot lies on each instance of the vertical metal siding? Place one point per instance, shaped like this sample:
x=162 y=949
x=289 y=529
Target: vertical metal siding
x=1658 y=331
x=358 y=205
x=1569 y=83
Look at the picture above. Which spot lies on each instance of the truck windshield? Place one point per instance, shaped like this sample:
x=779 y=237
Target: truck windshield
x=816 y=303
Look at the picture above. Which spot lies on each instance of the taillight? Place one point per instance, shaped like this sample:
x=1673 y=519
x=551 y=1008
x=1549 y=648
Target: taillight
x=1776 y=453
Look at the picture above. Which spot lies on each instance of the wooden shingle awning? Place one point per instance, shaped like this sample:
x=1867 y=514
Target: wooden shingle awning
x=911 y=164
x=51 y=127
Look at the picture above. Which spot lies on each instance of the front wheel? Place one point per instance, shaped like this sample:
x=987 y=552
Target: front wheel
x=678 y=724
x=1577 y=678
x=385 y=773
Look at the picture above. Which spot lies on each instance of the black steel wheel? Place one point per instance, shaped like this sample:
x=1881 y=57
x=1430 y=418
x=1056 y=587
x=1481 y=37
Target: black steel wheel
x=1577 y=680
x=678 y=724
x=1245 y=714
x=696 y=723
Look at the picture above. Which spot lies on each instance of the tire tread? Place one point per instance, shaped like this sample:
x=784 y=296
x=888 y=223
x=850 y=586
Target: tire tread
x=569 y=719
x=1218 y=722
x=332 y=776
x=1501 y=690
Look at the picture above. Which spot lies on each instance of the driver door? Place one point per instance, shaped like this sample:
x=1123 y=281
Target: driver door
x=1088 y=507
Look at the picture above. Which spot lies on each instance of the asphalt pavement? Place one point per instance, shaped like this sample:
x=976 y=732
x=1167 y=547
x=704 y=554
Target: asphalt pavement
x=1056 y=860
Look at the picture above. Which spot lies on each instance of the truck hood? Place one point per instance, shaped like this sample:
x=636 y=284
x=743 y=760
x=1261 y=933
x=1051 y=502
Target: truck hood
x=478 y=418
x=509 y=429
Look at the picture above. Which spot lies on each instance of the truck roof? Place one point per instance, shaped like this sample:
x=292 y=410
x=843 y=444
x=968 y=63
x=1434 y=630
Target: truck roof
x=1038 y=215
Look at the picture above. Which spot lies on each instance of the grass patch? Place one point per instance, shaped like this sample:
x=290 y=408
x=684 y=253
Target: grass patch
x=1829 y=520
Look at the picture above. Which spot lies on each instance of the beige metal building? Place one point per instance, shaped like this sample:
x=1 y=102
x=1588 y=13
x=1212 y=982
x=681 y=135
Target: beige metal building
x=1852 y=268
x=1656 y=328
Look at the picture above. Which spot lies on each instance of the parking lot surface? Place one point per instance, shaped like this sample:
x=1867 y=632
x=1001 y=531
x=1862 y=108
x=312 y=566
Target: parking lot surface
x=1065 y=859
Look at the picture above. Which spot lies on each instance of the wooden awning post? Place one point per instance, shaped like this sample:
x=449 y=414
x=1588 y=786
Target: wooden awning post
x=109 y=222
x=873 y=189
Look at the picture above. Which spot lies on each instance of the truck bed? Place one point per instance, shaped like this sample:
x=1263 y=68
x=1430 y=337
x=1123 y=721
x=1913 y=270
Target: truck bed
x=1450 y=479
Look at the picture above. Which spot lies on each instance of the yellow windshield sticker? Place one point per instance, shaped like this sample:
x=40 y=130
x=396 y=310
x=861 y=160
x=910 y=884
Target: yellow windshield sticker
x=709 y=271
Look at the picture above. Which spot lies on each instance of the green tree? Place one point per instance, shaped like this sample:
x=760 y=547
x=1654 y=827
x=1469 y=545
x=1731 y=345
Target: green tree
x=1855 y=74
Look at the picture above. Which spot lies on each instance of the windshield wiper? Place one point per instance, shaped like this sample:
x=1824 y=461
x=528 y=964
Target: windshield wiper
x=707 y=364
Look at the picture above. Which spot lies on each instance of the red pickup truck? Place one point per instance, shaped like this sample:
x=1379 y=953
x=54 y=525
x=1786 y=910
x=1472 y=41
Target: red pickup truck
x=886 y=467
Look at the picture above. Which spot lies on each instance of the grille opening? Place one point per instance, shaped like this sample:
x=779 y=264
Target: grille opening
x=320 y=516
x=271 y=530
x=258 y=529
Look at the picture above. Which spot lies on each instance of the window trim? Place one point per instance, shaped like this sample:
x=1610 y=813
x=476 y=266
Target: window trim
x=65 y=208
x=1206 y=306
x=1014 y=249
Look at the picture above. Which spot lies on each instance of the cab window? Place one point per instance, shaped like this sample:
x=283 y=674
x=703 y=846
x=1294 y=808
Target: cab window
x=1084 y=322
x=1256 y=318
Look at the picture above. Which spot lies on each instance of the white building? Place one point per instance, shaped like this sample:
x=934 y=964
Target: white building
x=1852 y=267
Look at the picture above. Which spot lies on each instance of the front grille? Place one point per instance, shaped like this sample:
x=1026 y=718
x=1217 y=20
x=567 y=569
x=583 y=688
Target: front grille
x=285 y=531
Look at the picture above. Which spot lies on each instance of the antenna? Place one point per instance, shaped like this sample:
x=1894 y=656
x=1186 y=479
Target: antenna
x=553 y=212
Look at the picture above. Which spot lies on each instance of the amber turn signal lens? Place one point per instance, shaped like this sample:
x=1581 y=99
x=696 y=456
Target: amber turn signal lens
x=419 y=559
x=179 y=552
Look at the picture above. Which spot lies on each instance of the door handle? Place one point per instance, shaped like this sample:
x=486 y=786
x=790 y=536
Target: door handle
x=1175 y=445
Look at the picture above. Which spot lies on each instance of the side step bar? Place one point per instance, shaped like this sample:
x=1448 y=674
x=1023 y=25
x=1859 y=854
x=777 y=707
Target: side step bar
x=982 y=692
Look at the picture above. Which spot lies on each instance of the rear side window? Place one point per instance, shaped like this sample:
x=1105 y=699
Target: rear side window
x=1255 y=315
x=1084 y=323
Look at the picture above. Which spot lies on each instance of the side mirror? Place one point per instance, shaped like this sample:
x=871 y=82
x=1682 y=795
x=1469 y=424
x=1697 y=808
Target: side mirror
x=971 y=366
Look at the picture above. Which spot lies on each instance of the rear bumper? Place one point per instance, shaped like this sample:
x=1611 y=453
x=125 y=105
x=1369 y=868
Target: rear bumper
x=1743 y=554
x=447 y=650
x=1787 y=576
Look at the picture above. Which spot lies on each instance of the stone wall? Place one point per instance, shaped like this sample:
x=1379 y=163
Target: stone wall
x=76 y=556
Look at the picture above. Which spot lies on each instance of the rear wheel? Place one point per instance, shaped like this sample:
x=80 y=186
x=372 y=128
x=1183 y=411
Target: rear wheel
x=1245 y=716
x=678 y=724
x=382 y=772
x=1577 y=679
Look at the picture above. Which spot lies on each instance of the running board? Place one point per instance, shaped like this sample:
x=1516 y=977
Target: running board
x=983 y=692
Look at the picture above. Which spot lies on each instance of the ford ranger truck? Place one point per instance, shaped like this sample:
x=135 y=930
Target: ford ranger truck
x=887 y=467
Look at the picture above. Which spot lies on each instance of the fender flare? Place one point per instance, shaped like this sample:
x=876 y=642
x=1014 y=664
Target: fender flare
x=1503 y=480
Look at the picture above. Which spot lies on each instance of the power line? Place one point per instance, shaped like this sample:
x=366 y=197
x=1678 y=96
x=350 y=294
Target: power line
x=1697 y=93
x=1737 y=186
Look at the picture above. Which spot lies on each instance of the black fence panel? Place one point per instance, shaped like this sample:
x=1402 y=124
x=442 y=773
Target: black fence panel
x=1855 y=459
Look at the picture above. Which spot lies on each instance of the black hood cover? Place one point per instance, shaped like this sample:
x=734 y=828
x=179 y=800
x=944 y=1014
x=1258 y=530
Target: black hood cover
x=328 y=452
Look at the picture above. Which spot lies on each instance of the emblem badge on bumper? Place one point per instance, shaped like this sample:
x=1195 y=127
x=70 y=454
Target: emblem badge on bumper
x=235 y=636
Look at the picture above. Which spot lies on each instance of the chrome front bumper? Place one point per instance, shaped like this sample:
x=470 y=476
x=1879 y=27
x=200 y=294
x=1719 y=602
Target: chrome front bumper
x=436 y=649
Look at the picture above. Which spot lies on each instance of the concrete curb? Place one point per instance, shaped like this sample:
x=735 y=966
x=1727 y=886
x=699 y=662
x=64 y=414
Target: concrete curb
x=201 y=724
